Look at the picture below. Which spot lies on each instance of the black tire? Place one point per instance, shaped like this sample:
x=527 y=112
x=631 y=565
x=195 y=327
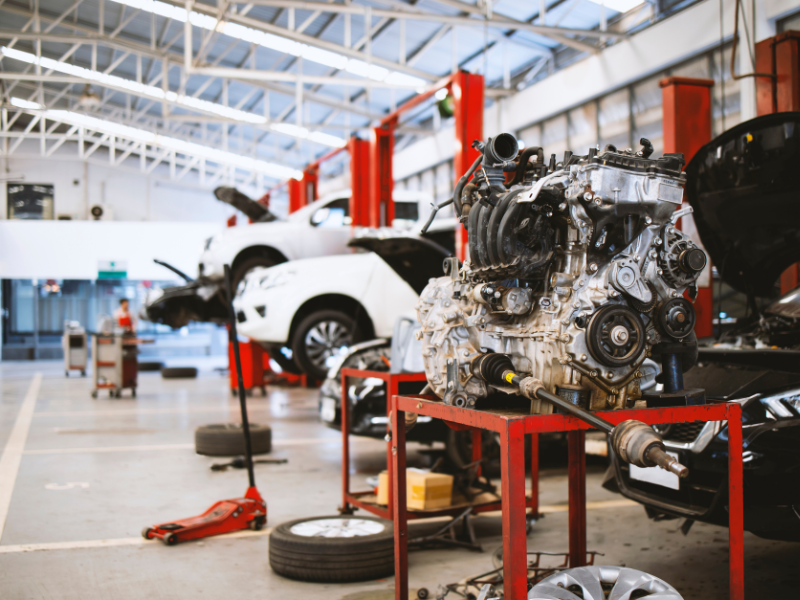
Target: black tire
x=227 y=439
x=304 y=357
x=333 y=559
x=150 y=366
x=178 y=373
x=247 y=265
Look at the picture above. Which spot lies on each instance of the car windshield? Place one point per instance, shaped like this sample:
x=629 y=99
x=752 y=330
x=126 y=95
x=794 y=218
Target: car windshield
x=305 y=213
x=335 y=214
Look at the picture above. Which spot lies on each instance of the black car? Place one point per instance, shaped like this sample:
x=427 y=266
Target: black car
x=747 y=210
x=367 y=408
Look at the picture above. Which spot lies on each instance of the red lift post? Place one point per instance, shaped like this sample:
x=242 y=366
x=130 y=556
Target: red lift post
x=467 y=91
x=779 y=56
x=687 y=128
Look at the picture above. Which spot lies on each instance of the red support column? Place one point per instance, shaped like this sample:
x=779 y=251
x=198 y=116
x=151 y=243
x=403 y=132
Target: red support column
x=515 y=551
x=381 y=205
x=765 y=86
x=295 y=195
x=687 y=127
x=359 y=181
x=787 y=71
x=467 y=90
x=309 y=188
x=576 y=441
x=780 y=56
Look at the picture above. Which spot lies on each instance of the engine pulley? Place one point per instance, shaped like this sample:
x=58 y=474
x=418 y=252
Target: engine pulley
x=676 y=318
x=615 y=335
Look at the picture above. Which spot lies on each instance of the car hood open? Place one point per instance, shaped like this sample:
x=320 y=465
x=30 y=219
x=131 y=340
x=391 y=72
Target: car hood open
x=414 y=259
x=746 y=201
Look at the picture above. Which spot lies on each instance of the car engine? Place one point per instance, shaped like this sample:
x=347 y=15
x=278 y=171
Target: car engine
x=576 y=273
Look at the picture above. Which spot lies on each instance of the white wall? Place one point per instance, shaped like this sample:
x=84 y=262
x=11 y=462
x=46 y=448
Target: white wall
x=669 y=42
x=127 y=194
x=72 y=249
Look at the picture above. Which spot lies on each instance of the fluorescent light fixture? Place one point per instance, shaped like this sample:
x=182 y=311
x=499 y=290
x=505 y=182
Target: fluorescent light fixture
x=26 y=104
x=154 y=139
x=279 y=43
x=621 y=6
x=158 y=93
x=305 y=134
x=151 y=91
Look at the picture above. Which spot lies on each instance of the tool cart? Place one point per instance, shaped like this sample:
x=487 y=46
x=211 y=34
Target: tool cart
x=74 y=344
x=114 y=363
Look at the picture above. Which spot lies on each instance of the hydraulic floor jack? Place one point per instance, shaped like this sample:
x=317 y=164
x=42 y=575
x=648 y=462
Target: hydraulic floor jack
x=249 y=512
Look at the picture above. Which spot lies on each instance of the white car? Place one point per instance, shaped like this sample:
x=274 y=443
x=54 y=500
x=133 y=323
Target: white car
x=322 y=228
x=305 y=311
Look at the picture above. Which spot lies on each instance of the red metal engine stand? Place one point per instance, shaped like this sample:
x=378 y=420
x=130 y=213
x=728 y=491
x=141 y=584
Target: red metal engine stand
x=512 y=427
x=355 y=500
x=225 y=516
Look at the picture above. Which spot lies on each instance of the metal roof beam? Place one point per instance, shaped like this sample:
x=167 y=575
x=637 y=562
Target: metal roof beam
x=497 y=20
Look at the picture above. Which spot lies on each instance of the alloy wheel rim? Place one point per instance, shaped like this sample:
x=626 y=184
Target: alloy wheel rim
x=324 y=339
x=337 y=528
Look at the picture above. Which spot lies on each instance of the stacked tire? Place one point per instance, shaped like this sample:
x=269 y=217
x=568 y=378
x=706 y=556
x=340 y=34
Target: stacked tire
x=227 y=439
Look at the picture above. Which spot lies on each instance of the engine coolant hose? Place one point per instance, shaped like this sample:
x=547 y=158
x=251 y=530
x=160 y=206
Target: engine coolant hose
x=456 y=199
x=524 y=157
x=462 y=182
x=633 y=441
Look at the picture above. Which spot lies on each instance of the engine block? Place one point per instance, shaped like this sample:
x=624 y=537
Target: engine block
x=576 y=271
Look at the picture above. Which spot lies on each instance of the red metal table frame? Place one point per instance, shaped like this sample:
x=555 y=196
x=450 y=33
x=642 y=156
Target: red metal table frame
x=512 y=428
x=351 y=500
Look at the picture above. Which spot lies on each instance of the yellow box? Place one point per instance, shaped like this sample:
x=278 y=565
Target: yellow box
x=383 y=488
x=424 y=491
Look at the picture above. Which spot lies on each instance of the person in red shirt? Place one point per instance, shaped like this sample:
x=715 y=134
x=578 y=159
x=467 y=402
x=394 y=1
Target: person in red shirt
x=123 y=316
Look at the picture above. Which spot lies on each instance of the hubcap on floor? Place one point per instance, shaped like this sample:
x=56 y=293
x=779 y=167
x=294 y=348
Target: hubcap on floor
x=602 y=583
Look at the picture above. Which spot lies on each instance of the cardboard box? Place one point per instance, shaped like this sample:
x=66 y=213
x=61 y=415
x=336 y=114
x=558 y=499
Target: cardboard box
x=424 y=491
x=429 y=490
x=383 y=488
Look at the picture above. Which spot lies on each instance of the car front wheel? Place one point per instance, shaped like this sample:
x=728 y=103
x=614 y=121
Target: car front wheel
x=320 y=336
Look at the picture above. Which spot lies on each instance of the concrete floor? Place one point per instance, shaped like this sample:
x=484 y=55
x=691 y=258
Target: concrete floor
x=93 y=473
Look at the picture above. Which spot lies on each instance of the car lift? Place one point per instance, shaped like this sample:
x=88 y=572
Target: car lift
x=467 y=91
x=227 y=515
x=687 y=128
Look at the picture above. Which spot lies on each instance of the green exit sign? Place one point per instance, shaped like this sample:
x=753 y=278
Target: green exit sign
x=112 y=269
